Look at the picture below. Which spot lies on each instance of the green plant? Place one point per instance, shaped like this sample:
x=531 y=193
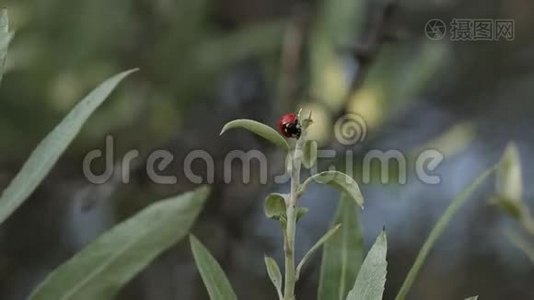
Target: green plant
x=106 y=264
x=285 y=209
x=343 y=273
x=509 y=199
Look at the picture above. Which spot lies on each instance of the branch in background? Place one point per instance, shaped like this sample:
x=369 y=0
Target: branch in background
x=290 y=61
x=365 y=53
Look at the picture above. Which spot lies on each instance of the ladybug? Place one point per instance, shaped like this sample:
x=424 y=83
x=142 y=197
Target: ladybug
x=289 y=125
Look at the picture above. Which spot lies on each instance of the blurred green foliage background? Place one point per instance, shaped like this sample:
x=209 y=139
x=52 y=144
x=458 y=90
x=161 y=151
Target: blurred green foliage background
x=204 y=62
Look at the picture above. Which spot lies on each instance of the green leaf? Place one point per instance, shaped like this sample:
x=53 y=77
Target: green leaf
x=275 y=206
x=5 y=38
x=260 y=129
x=509 y=188
x=438 y=229
x=309 y=156
x=513 y=208
x=215 y=280
x=46 y=154
x=472 y=298
x=508 y=174
x=274 y=273
x=106 y=264
x=316 y=247
x=342 y=254
x=340 y=181
x=369 y=284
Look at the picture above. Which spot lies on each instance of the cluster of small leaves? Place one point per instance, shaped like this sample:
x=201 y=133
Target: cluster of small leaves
x=276 y=206
x=343 y=273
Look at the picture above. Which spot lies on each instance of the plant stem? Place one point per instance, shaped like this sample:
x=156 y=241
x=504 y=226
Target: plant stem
x=289 y=236
x=289 y=250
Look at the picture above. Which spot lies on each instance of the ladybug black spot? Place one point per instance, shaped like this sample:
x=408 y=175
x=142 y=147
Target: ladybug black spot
x=292 y=130
x=289 y=126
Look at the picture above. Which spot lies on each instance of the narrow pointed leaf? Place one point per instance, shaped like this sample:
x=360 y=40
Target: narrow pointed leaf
x=509 y=187
x=274 y=274
x=342 y=254
x=316 y=247
x=50 y=149
x=309 y=156
x=438 y=229
x=106 y=264
x=472 y=298
x=508 y=174
x=340 y=181
x=260 y=129
x=511 y=207
x=371 y=279
x=5 y=38
x=212 y=274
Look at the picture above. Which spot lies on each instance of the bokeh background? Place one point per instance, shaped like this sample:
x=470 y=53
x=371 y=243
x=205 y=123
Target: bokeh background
x=205 y=62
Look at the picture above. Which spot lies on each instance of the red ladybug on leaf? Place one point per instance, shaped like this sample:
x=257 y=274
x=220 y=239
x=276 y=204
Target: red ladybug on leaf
x=289 y=125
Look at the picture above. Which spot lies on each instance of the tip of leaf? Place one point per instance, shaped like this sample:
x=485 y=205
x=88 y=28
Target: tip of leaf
x=383 y=235
x=225 y=128
x=192 y=239
x=204 y=190
x=512 y=145
x=128 y=72
x=511 y=151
